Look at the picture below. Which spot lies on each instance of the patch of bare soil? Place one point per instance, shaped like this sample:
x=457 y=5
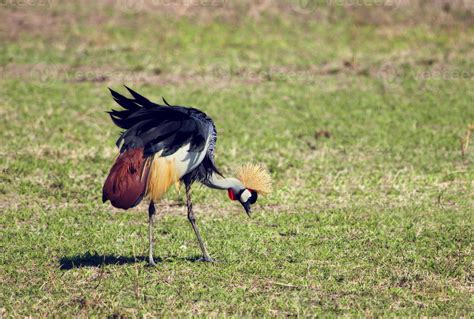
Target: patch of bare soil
x=9 y=201
x=440 y=13
x=220 y=75
x=201 y=10
x=45 y=73
x=47 y=19
x=374 y=12
x=14 y=23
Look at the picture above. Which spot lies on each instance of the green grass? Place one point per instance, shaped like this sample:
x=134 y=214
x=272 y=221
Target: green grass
x=374 y=220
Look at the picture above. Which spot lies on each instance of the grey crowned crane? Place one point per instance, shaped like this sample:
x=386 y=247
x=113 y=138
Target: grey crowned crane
x=162 y=145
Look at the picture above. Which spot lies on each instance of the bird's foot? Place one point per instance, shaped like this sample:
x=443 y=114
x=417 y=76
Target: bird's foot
x=151 y=263
x=206 y=259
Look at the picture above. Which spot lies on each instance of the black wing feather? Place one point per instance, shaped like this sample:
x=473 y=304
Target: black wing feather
x=123 y=101
x=139 y=98
x=158 y=127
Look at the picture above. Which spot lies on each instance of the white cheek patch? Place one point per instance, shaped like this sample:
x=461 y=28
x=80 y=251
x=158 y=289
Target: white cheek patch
x=244 y=197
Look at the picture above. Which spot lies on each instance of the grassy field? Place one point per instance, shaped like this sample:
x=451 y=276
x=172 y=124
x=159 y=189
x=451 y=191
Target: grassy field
x=357 y=111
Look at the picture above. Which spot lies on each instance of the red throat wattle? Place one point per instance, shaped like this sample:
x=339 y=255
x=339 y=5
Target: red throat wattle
x=231 y=194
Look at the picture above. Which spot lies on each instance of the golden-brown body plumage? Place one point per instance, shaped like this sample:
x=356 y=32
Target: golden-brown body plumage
x=161 y=176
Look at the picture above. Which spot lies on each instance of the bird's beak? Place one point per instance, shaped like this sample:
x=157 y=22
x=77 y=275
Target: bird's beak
x=247 y=209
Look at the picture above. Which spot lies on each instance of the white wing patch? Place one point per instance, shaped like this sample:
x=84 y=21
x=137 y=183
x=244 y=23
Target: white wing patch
x=184 y=160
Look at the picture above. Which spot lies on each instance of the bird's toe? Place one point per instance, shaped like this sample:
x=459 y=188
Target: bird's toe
x=151 y=263
x=206 y=259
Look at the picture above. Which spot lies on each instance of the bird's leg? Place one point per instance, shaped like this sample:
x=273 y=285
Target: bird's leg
x=151 y=220
x=192 y=220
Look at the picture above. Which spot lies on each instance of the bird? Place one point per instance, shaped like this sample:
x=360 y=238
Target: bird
x=161 y=145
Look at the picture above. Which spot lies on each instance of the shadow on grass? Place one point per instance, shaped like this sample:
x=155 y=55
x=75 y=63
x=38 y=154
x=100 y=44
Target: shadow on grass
x=96 y=260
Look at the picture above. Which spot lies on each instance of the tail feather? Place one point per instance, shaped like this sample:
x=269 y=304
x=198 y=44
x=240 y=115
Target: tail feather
x=124 y=102
x=139 y=98
x=131 y=106
x=125 y=185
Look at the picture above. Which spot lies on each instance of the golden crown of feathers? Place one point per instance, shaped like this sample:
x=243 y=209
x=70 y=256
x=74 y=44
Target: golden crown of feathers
x=256 y=177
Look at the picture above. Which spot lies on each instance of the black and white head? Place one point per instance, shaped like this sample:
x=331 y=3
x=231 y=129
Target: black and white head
x=246 y=197
x=256 y=180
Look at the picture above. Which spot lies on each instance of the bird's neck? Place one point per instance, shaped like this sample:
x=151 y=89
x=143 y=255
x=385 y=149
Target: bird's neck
x=217 y=182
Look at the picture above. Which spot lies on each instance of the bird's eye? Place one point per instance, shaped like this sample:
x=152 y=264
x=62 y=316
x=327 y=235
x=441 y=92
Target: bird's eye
x=253 y=197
